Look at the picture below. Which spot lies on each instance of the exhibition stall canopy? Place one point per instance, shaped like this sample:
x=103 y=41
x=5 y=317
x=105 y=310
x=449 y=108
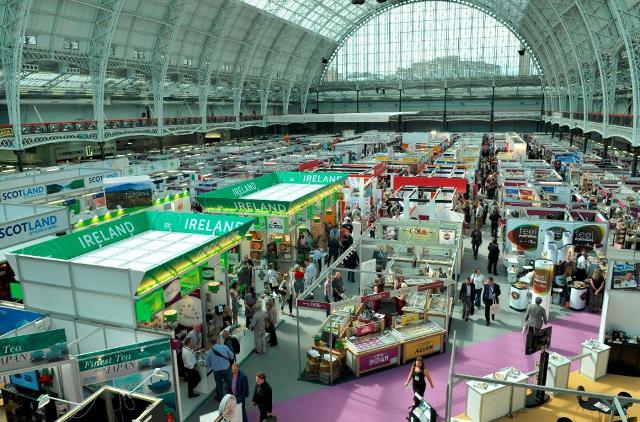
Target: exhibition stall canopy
x=120 y=260
x=280 y=193
x=25 y=223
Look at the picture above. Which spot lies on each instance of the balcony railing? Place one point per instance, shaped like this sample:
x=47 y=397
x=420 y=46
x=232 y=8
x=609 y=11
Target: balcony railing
x=89 y=125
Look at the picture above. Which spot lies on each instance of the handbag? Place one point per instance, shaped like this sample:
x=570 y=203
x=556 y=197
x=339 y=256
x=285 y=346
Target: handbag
x=495 y=308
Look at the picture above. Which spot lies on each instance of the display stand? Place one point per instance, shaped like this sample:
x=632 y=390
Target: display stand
x=594 y=366
x=558 y=372
x=487 y=401
x=518 y=299
x=578 y=298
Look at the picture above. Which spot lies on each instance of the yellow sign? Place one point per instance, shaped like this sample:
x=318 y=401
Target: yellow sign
x=382 y=157
x=422 y=347
x=6 y=132
x=408 y=318
x=410 y=160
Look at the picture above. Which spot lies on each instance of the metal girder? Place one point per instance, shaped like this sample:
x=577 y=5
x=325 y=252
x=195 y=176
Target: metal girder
x=268 y=72
x=628 y=22
x=286 y=96
x=221 y=24
x=12 y=32
x=101 y=36
x=244 y=58
x=162 y=48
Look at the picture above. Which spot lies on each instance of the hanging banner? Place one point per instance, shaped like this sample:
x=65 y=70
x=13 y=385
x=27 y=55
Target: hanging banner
x=128 y=192
x=312 y=304
x=128 y=366
x=23 y=352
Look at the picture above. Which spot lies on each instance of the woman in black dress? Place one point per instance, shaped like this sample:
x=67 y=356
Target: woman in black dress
x=419 y=375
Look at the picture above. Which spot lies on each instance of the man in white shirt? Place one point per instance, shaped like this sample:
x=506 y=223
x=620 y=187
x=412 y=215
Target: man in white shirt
x=196 y=337
x=189 y=359
x=581 y=267
x=478 y=281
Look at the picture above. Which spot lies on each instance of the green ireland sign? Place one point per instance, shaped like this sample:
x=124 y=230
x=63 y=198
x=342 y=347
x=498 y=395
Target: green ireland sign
x=22 y=352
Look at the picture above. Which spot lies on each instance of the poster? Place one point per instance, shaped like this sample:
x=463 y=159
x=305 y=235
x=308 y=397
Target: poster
x=524 y=237
x=66 y=187
x=22 y=352
x=127 y=367
x=447 y=237
x=275 y=225
x=625 y=275
x=128 y=192
x=589 y=235
x=378 y=359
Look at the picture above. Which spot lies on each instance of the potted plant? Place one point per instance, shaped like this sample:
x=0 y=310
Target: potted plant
x=316 y=339
x=339 y=345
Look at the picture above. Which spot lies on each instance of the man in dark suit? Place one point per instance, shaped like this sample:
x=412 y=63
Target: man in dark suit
x=262 y=396
x=490 y=295
x=494 y=254
x=467 y=294
x=240 y=389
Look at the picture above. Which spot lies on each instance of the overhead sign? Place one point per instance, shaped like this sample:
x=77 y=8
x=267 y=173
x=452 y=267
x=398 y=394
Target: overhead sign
x=313 y=304
x=22 y=352
x=23 y=194
x=26 y=229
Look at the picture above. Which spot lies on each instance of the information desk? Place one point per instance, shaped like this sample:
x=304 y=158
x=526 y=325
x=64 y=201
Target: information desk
x=558 y=371
x=487 y=401
x=624 y=359
x=373 y=351
x=420 y=339
x=594 y=365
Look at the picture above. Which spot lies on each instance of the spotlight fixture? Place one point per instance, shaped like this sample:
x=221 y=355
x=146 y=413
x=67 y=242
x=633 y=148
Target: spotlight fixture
x=381 y=1
x=357 y=2
x=325 y=60
x=521 y=52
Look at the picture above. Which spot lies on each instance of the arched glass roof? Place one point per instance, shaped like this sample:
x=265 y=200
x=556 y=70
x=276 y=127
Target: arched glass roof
x=425 y=40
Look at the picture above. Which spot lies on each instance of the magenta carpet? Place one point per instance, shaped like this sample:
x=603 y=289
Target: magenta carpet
x=381 y=396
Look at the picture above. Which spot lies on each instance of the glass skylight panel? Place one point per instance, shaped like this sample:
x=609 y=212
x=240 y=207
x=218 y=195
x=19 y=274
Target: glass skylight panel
x=155 y=245
x=139 y=266
x=156 y=257
x=151 y=234
x=88 y=259
x=174 y=237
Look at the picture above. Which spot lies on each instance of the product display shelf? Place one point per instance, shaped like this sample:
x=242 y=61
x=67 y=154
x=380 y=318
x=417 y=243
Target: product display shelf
x=337 y=324
x=416 y=302
x=420 y=338
x=439 y=309
x=487 y=401
x=373 y=351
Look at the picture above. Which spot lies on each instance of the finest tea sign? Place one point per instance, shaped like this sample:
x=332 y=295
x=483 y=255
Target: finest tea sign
x=127 y=367
x=26 y=351
x=525 y=237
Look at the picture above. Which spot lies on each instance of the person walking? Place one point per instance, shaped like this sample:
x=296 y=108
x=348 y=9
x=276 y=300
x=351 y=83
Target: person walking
x=310 y=273
x=240 y=388
x=337 y=287
x=467 y=295
x=235 y=304
x=535 y=316
x=317 y=257
x=328 y=289
x=490 y=295
x=476 y=240
x=333 y=245
x=418 y=376
x=262 y=396
x=478 y=282
x=495 y=220
x=272 y=320
x=494 y=254
x=189 y=359
x=351 y=262
x=249 y=301
x=286 y=291
x=219 y=359
x=259 y=327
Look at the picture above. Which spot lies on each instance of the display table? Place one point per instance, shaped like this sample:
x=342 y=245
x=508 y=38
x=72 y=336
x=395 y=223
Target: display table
x=373 y=351
x=624 y=359
x=420 y=339
x=487 y=401
x=578 y=298
x=594 y=365
x=558 y=371
x=518 y=296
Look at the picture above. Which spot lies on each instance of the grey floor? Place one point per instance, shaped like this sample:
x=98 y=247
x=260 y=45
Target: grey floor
x=280 y=363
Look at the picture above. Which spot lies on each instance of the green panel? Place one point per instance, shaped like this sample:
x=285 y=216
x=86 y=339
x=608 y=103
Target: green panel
x=16 y=291
x=190 y=281
x=25 y=351
x=149 y=305
x=79 y=243
x=306 y=178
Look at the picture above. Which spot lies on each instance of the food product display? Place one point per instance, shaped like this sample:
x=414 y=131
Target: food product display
x=439 y=303
x=373 y=341
x=413 y=331
x=416 y=302
x=336 y=323
x=520 y=285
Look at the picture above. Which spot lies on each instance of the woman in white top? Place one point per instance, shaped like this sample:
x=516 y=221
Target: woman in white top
x=272 y=278
x=286 y=292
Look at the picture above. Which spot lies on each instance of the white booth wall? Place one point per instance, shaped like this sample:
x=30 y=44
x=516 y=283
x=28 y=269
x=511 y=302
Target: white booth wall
x=620 y=311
